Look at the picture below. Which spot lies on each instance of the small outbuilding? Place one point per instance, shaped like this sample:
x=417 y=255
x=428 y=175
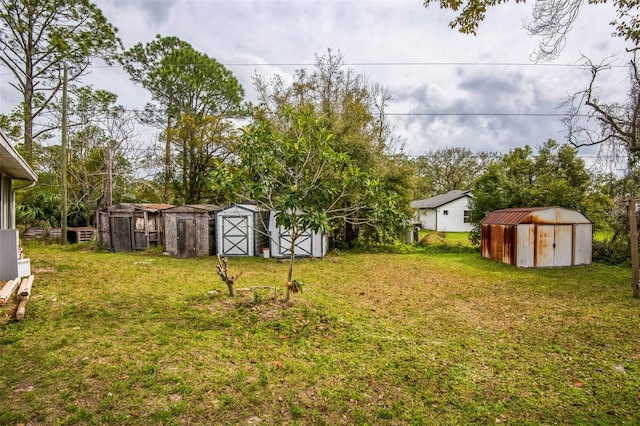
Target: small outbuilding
x=131 y=226
x=190 y=230
x=241 y=230
x=309 y=244
x=537 y=237
x=448 y=212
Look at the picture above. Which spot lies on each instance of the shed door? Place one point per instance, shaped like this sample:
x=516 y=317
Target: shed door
x=186 y=235
x=235 y=236
x=121 y=234
x=303 y=244
x=553 y=245
x=563 y=245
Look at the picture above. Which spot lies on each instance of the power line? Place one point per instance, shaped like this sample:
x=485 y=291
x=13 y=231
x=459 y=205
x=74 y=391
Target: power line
x=387 y=64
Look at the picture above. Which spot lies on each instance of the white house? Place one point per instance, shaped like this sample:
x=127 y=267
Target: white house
x=448 y=212
x=12 y=168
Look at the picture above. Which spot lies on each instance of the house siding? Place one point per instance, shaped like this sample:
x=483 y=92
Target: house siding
x=453 y=220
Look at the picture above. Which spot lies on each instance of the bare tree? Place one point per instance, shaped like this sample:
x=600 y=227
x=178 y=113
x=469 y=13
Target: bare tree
x=612 y=127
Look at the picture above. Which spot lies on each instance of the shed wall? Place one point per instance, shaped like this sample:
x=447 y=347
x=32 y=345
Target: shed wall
x=525 y=252
x=241 y=230
x=583 y=243
x=189 y=234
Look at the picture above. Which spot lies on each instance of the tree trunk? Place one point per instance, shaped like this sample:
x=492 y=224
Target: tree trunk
x=167 y=162
x=27 y=117
x=292 y=260
x=633 y=235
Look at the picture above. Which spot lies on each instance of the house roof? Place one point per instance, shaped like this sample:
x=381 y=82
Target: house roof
x=440 y=200
x=534 y=215
x=12 y=164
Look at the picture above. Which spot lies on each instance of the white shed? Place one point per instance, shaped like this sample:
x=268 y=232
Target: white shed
x=309 y=244
x=241 y=230
x=537 y=237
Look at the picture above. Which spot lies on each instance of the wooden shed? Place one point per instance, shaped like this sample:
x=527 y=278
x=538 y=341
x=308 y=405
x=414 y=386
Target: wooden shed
x=537 y=237
x=131 y=226
x=241 y=230
x=190 y=230
x=309 y=244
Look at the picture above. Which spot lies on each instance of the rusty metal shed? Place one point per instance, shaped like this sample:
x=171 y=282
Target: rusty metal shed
x=190 y=230
x=537 y=237
x=131 y=226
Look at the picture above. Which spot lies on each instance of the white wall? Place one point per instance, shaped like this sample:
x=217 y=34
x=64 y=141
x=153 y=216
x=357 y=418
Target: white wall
x=449 y=217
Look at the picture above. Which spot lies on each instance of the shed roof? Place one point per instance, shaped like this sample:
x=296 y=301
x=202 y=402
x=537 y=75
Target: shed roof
x=12 y=164
x=149 y=207
x=194 y=208
x=440 y=200
x=534 y=215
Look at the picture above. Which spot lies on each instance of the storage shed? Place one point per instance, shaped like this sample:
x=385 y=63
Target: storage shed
x=537 y=237
x=131 y=226
x=190 y=230
x=309 y=244
x=241 y=230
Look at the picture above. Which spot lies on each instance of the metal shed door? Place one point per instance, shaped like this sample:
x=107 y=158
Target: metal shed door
x=235 y=236
x=553 y=245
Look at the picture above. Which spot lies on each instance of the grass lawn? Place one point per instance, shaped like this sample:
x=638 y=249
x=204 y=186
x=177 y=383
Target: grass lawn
x=374 y=339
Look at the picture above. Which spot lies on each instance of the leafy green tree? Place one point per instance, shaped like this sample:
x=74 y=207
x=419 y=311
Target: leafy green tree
x=200 y=144
x=181 y=80
x=448 y=169
x=294 y=170
x=555 y=176
x=38 y=37
x=354 y=113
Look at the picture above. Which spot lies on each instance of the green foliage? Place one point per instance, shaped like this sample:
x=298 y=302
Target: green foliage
x=200 y=143
x=294 y=170
x=612 y=252
x=38 y=36
x=181 y=79
x=352 y=110
x=448 y=169
x=555 y=176
x=194 y=93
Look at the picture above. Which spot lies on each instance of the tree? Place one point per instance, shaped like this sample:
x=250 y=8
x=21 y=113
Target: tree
x=555 y=176
x=181 y=80
x=101 y=155
x=448 y=169
x=551 y=21
x=200 y=144
x=38 y=37
x=353 y=110
x=617 y=131
x=294 y=170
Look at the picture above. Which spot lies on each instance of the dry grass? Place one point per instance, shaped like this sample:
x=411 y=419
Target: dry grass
x=374 y=339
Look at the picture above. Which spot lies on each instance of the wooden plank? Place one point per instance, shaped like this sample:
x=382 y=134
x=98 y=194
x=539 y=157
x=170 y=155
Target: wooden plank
x=23 y=293
x=7 y=290
x=25 y=287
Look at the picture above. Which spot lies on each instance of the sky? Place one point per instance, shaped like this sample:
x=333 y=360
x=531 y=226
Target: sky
x=448 y=89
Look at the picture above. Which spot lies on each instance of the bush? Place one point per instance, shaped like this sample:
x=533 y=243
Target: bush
x=616 y=252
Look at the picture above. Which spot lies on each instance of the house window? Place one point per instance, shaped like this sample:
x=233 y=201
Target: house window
x=467 y=216
x=445 y=212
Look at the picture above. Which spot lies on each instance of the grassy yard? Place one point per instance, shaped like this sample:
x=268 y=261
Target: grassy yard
x=374 y=339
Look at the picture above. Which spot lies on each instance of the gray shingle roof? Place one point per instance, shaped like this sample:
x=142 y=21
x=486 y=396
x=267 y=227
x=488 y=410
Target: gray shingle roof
x=439 y=200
